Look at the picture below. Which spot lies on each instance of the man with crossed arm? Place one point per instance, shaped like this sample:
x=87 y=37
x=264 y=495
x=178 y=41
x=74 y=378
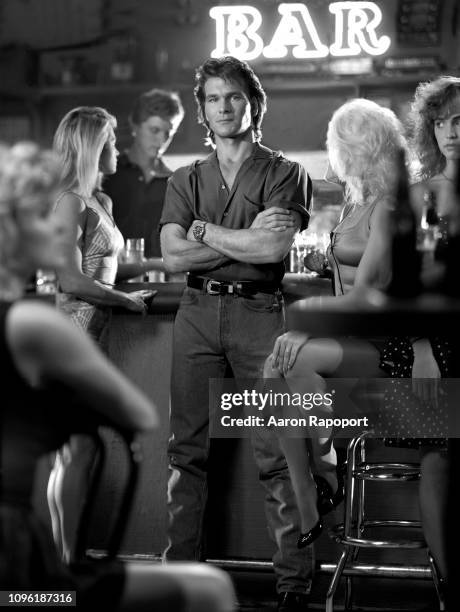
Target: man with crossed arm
x=228 y=221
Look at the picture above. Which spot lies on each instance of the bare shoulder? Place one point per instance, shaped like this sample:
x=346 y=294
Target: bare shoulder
x=69 y=200
x=380 y=210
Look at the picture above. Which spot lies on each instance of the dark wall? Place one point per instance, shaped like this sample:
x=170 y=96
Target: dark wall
x=164 y=41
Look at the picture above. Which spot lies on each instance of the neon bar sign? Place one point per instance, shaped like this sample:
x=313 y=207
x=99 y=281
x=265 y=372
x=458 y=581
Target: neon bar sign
x=356 y=26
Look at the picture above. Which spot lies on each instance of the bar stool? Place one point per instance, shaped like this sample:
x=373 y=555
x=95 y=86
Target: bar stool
x=352 y=532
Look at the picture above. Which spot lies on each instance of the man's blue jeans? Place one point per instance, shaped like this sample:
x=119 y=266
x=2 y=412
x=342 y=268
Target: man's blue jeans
x=213 y=332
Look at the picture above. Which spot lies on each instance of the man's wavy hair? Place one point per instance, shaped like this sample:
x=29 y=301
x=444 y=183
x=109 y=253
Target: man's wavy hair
x=231 y=69
x=431 y=101
x=79 y=140
x=363 y=139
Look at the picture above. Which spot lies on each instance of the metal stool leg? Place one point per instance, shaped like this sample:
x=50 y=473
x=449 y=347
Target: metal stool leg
x=359 y=527
x=437 y=582
x=348 y=524
x=335 y=580
x=361 y=484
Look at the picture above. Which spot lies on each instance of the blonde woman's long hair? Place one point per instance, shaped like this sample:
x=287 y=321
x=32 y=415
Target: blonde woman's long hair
x=29 y=180
x=79 y=140
x=363 y=139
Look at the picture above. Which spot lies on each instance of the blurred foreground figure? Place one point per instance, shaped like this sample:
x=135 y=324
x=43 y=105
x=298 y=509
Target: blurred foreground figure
x=47 y=360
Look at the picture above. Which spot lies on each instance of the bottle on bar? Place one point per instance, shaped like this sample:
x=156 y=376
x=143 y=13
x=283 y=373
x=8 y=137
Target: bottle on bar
x=405 y=258
x=429 y=226
x=451 y=283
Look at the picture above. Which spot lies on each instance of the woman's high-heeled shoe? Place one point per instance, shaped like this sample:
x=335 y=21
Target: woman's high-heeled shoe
x=327 y=500
x=339 y=495
x=310 y=536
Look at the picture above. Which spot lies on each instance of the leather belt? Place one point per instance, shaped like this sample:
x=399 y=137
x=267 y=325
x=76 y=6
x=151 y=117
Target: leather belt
x=215 y=287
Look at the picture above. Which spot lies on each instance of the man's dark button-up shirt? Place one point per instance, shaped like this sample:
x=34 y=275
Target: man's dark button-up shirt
x=264 y=180
x=137 y=203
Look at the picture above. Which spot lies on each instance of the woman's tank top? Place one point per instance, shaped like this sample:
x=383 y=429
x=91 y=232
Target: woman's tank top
x=100 y=244
x=348 y=242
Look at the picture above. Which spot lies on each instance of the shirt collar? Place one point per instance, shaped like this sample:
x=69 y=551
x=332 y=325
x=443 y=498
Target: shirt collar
x=258 y=152
x=162 y=170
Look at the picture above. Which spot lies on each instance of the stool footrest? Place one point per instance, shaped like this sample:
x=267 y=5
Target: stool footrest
x=382 y=570
x=387 y=471
x=338 y=534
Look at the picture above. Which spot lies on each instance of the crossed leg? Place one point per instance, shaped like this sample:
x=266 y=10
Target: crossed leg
x=318 y=359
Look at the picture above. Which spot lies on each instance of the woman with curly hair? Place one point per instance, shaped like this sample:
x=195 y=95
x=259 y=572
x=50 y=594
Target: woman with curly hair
x=435 y=139
x=363 y=141
x=435 y=123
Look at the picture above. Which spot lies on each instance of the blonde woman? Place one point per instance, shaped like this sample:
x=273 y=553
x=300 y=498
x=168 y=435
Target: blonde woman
x=45 y=358
x=85 y=143
x=363 y=141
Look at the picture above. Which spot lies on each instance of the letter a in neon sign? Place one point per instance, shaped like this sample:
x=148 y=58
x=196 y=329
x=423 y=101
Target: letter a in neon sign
x=355 y=31
x=290 y=33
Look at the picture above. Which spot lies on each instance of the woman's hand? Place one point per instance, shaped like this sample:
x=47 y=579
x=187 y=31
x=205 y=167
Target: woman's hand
x=275 y=219
x=286 y=349
x=425 y=367
x=136 y=300
x=316 y=261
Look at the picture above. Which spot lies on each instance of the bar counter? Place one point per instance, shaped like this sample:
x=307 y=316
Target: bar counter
x=235 y=525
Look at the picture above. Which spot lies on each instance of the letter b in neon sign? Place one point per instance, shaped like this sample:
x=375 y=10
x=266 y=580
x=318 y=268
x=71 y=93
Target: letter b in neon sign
x=356 y=26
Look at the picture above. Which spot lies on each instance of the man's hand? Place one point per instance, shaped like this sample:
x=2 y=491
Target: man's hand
x=275 y=219
x=316 y=261
x=190 y=235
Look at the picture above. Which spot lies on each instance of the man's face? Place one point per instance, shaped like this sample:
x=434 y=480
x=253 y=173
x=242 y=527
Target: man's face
x=227 y=108
x=154 y=135
x=109 y=154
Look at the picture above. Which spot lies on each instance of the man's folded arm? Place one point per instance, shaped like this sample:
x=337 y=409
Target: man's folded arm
x=254 y=246
x=182 y=255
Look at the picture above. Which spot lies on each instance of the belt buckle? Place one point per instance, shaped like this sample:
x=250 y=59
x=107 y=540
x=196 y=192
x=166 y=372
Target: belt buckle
x=209 y=288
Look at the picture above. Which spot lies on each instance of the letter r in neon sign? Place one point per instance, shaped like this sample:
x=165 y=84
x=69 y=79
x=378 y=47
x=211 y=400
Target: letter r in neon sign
x=355 y=31
x=359 y=21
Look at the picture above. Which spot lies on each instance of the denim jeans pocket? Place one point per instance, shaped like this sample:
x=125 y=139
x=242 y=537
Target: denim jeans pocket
x=190 y=296
x=261 y=302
